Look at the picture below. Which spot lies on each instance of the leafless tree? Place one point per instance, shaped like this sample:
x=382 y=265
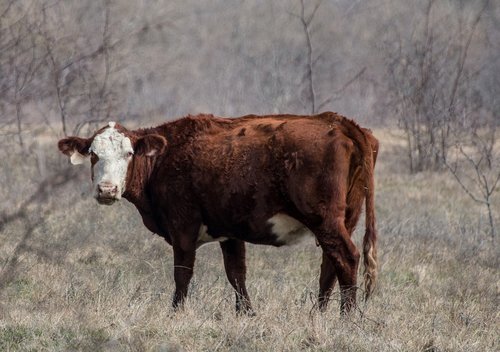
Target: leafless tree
x=108 y=59
x=313 y=57
x=306 y=26
x=58 y=65
x=81 y=83
x=20 y=62
x=476 y=168
x=430 y=81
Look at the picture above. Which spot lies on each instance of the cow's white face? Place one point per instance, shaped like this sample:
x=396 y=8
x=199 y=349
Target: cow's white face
x=111 y=152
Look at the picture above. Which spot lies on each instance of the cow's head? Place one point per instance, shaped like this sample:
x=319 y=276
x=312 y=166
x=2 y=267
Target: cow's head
x=111 y=150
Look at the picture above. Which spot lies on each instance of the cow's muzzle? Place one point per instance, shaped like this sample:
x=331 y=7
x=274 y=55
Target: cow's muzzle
x=107 y=193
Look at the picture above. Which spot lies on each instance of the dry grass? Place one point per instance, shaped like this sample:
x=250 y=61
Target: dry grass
x=76 y=276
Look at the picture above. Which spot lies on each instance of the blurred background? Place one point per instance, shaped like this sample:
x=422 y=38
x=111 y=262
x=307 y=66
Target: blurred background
x=69 y=64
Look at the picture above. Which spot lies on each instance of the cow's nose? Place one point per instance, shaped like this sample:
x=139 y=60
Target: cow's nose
x=107 y=189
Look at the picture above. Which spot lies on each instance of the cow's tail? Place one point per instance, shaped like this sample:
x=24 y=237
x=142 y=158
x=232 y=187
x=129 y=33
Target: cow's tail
x=370 y=238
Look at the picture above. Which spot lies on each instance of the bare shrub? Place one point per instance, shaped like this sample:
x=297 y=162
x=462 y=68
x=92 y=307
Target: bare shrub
x=60 y=64
x=476 y=168
x=430 y=81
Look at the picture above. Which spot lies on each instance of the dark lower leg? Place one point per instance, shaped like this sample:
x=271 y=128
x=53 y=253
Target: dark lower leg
x=344 y=257
x=183 y=271
x=327 y=280
x=347 y=298
x=347 y=268
x=233 y=252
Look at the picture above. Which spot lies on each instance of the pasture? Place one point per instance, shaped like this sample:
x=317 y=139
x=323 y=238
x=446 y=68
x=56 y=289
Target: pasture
x=79 y=276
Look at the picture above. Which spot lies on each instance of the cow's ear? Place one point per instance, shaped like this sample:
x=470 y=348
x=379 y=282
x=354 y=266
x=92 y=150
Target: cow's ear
x=150 y=145
x=76 y=148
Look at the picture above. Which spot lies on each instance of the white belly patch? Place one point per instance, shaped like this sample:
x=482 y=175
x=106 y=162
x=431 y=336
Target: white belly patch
x=204 y=237
x=287 y=229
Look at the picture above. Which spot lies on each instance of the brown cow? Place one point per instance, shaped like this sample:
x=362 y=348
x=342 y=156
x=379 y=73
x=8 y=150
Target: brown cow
x=258 y=179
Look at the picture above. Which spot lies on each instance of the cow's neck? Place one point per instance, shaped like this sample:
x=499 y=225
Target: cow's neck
x=142 y=167
x=139 y=172
x=138 y=177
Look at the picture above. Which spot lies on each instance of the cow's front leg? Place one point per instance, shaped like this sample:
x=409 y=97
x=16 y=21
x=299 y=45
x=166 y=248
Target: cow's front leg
x=233 y=252
x=183 y=271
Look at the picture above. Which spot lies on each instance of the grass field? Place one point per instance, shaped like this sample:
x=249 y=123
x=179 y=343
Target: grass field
x=78 y=276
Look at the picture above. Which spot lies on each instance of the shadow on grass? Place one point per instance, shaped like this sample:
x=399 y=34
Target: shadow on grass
x=31 y=213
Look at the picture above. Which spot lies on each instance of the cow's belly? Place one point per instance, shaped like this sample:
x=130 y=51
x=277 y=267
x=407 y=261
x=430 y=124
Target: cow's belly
x=287 y=230
x=204 y=237
x=278 y=230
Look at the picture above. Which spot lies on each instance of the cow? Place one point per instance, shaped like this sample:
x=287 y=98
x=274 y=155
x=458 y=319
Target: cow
x=258 y=179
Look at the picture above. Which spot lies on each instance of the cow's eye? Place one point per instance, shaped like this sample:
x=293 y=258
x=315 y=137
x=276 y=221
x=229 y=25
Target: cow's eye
x=93 y=157
x=130 y=154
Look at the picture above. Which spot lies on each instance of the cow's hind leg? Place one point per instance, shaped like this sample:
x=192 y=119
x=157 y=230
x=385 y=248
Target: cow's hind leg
x=344 y=256
x=327 y=280
x=322 y=200
x=233 y=252
x=328 y=276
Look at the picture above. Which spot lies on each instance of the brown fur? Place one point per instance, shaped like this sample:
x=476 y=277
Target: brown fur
x=232 y=175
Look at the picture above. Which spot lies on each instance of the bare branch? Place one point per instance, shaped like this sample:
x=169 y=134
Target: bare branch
x=463 y=56
x=309 y=73
x=478 y=179
x=466 y=190
x=7 y=8
x=351 y=81
x=495 y=184
x=313 y=13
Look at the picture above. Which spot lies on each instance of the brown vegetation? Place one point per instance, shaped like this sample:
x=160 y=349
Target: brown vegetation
x=77 y=276
x=86 y=277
